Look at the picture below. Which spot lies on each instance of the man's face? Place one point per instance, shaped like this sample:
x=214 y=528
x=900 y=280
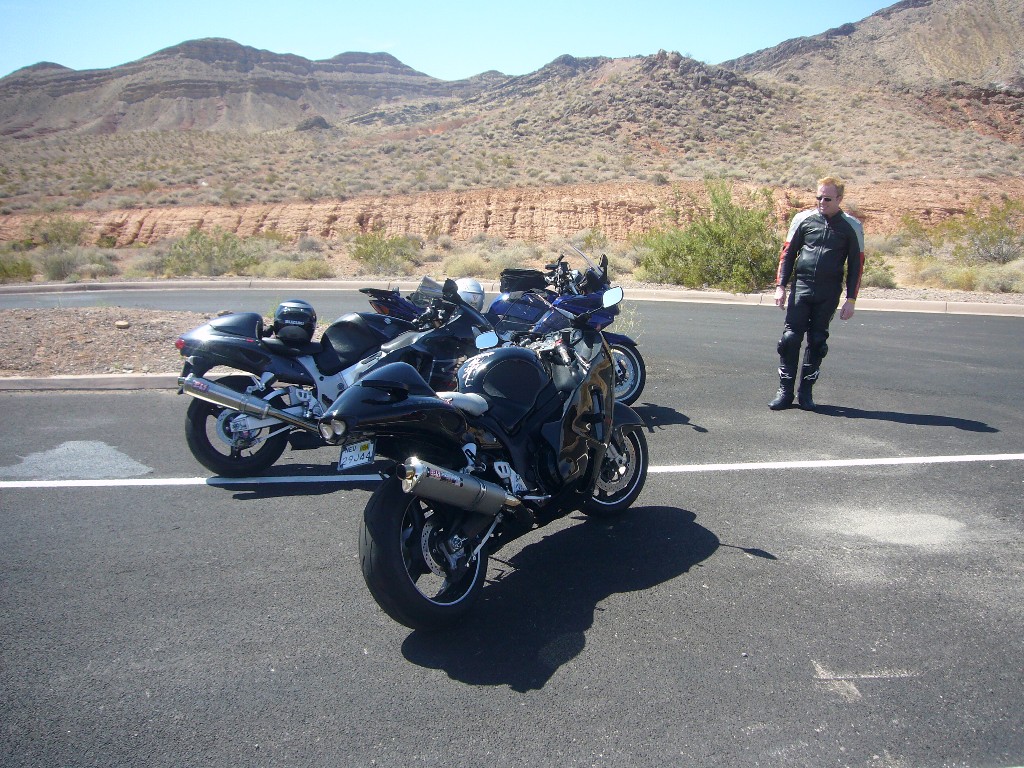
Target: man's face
x=828 y=200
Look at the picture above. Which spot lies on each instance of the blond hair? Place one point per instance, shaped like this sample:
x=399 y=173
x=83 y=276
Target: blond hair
x=833 y=181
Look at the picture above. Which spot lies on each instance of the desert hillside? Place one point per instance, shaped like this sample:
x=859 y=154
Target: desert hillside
x=920 y=106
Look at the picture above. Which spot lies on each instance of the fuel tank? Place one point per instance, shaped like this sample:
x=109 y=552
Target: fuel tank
x=513 y=381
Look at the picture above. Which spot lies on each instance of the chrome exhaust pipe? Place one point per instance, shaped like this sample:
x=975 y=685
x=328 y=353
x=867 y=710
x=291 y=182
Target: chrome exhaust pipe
x=472 y=494
x=212 y=392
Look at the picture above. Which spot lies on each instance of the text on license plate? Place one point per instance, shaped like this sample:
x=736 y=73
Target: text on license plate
x=356 y=454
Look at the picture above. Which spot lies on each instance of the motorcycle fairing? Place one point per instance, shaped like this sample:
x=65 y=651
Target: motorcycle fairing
x=218 y=343
x=398 y=407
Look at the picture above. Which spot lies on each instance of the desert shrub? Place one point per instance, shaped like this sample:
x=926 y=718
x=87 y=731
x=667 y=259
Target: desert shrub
x=467 y=265
x=995 y=236
x=210 y=255
x=15 y=268
x=960 y=278
x=1003 y=279
x=878 y=273
x=310 y=245
x=312 y=269
x=59 y=264
x=63 y=264
x=59 y=231
x=725 y=245
x=384 y=255
x=589 y=241
x=974 y=252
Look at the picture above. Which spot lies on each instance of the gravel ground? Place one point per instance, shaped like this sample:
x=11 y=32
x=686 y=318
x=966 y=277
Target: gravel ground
x=106 y=340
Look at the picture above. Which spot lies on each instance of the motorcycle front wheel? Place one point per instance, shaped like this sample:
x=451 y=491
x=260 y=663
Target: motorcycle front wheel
x=621 y=477
x=405 y=550
x=208 y=435
x=630 y=373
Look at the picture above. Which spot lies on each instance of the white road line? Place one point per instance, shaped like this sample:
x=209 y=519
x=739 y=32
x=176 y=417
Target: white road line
x=171 y=481
x=834 y=463
x=673 y=469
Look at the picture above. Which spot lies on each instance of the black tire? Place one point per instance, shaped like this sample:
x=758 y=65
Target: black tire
x=616 y=491
x=204 y=434
x=392 y=541
x=630 y=373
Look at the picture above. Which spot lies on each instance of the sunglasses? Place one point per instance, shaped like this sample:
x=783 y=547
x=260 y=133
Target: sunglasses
x=822 y=199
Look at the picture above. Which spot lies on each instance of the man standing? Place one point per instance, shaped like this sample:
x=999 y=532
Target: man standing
x=821 y=243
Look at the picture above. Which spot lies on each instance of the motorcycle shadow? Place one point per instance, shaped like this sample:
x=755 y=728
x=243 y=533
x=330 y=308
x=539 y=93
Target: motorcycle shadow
x=536 y=609
x=659 y=417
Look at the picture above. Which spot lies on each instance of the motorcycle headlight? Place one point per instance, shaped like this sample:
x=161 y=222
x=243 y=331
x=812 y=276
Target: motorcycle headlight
x=333 y=430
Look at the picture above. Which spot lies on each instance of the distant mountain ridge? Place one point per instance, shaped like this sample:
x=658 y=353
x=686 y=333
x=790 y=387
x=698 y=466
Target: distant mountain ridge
x=211 y=84
x=922 y=43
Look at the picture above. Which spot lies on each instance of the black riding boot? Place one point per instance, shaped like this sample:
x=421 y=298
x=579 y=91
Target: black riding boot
x=808 y=376
x=784 y=397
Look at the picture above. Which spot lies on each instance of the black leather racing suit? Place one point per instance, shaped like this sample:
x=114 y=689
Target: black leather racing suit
x=817 y=252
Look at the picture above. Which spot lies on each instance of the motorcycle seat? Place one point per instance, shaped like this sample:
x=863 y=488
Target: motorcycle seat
x=467 y=402
x=286 y=350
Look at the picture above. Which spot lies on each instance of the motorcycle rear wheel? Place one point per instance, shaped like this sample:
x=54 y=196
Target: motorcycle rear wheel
x=619 y=486
x=206 y=438
x=399 y=532
x=630 y=373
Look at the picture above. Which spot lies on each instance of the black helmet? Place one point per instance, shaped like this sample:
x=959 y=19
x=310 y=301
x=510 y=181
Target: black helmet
x=295 y=322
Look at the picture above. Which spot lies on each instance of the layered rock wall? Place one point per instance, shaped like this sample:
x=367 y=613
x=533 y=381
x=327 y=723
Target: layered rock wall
x=542 y=214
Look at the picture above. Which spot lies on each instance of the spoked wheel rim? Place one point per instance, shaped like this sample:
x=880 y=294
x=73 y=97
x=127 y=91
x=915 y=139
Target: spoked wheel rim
x=209 y=436
x=440 y=575
x=629 y=374
x=615 y=478
x=620 y=482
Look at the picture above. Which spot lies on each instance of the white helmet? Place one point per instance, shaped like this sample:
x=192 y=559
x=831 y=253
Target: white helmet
x=471 y=292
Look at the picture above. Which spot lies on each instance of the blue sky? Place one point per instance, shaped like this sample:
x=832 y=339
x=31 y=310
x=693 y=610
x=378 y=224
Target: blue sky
x=448 y=40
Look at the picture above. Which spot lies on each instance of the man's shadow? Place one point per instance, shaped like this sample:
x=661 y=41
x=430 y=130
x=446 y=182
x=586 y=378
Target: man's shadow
x=533 y=617
x=659 y=417
x=915 y=419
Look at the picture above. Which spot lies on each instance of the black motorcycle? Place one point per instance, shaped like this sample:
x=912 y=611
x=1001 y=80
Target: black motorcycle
x=530 y=434
x=239 y=425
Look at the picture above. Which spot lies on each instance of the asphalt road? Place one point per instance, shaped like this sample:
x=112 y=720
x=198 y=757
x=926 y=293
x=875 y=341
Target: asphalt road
x=836 y=588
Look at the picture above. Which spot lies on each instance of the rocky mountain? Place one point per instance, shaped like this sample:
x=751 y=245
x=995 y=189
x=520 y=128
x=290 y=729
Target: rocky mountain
x=913 y=43
x=212 y=84
x=922 y=95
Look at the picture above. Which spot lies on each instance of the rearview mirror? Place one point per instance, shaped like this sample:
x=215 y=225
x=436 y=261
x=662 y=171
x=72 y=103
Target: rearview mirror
x=486 y=340
x=612 y=297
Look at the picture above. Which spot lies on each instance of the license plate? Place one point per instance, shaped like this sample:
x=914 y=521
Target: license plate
x=356 y=454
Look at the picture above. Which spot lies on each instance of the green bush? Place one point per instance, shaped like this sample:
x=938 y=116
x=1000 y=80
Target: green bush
x=992 y=237
x=60 y=264
x=724 y=246
x=467 y=265
x=878 y=273
x=210 y=255
x=60 y=231
x=73 y=264
x=383 y=255
x=312 y=269
x=15 y=269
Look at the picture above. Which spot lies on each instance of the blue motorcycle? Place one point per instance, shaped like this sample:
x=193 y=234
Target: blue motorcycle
x=529 y=303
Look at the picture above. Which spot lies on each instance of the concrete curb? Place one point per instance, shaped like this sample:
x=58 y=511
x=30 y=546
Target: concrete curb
x=109 y=382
